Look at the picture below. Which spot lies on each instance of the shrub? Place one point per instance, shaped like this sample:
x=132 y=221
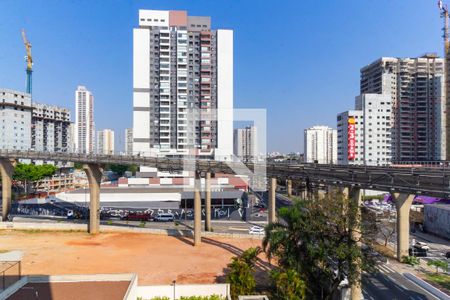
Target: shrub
x=288 y=285
x=410 y=260
x=241 y=276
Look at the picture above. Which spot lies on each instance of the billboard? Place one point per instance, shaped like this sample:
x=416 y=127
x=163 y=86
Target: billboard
x=351 y=133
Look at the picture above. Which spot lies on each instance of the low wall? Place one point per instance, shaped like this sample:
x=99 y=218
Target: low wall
x=437 y=219
x=111 y=228
x=148 y=292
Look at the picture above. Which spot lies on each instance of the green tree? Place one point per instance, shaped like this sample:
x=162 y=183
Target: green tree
x=241 y=275
x=121 y=169
x=438 y=264
x=315 y=238
x=288 y=285
x=29 y=172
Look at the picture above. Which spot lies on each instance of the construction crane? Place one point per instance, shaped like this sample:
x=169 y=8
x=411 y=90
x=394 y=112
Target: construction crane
x=29 y=60
x=445 y=15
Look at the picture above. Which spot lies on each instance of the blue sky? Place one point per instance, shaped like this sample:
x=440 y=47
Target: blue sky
x=299 y=59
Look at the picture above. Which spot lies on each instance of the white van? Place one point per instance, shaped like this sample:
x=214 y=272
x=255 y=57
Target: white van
x=164 y=218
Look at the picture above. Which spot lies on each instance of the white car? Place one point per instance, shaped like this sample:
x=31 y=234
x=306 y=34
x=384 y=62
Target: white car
x=256 y=230
x=421 y=245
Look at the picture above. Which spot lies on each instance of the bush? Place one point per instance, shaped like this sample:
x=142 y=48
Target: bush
x=410 y=260
x=158 y=298
x=438 y=264
x=142 y=224
x=212 y=297
x=288 y=285
x=241 y=276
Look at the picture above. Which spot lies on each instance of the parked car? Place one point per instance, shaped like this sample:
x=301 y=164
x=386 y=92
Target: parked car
x=413 y=251
x=256 y=230
x=447 y=255
x=164 y=218
x=422 y=245
x=137 y=216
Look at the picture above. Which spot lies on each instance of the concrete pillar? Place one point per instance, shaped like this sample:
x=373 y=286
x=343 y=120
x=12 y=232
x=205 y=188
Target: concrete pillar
x=289 y=187
x=356 y=197
x=403 y=204
x=344 y=191
x=272 y=200
x=94 y=176
x=197 y=211
x=7 y=170
x=208 y=202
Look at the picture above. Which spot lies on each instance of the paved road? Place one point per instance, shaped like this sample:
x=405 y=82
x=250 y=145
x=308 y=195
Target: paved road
x=389 y=284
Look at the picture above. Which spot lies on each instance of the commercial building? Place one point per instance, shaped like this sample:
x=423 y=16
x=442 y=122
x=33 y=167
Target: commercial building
x=50 y=129
x=15 y=120
x=364 y=134
x=245 y=143
x=129 y=141
x=416 y=87
x=105 y=141
x=182 y=86
x=320 y=145
x=84 y=121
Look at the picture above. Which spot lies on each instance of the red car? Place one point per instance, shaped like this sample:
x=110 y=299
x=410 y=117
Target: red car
x=136 y=216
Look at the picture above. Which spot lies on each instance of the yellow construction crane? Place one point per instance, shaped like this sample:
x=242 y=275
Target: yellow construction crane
x=445 y=15
x=29 y=60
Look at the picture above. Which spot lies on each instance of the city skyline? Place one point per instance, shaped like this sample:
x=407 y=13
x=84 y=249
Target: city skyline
x=56 y=53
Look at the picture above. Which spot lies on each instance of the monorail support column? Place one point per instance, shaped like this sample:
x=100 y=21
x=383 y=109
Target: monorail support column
x=403 y=204
x=7 y=170
x=208 y=202
x=289 y=187
x=356 y=198
x=272 y=200
x=197 y=210
x=94 y=175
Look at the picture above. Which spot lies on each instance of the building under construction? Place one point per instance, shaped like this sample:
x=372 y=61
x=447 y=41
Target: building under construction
x=418 y=118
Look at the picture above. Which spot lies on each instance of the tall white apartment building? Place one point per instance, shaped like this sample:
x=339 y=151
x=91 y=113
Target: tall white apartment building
x=129 y=141
x=15 y=120
x=181 y=65
x=105 y=141
x=245 y=143
x=416 y=87
x=84 y=121
x=320 y=145
x=350 y=137
x=372 y=125
x=50 y=128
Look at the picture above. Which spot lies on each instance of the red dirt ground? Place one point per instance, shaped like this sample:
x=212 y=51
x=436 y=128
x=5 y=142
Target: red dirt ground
x=156 y=259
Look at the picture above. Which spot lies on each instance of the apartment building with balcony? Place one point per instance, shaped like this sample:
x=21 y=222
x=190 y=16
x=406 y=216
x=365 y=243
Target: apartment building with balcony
x=320 y=145
x=15 y=120
x=416 y=87
x=84 y=121
x=105 y=141
x=182 y=86
x=50 y=128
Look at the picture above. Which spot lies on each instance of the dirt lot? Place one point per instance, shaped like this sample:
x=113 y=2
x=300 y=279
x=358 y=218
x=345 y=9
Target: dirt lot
x=156 y=259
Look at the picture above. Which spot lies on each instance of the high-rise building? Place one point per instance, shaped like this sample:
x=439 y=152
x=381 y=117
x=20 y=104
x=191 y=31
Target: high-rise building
x=129 y=141
x=50 y=129
x=84 y=121
x=320 y=145
x=416 y=87
x=180 y=65
x=105 y=141
x=245 y=143
x=15 y=120
x=72 y=134
x=364 y=134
